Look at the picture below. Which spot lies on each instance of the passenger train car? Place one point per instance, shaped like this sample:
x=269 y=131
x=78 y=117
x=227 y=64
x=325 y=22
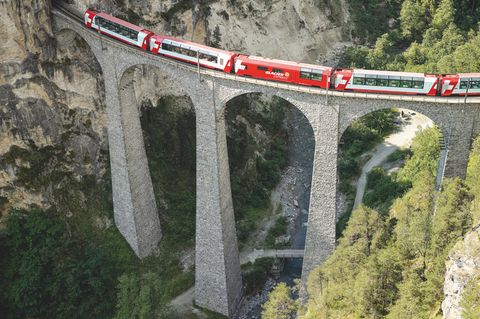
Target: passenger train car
x=386 y=82
x=283 y=71
x=193 y=53
x=460 y=84
x=356 y=80
x=118 y=29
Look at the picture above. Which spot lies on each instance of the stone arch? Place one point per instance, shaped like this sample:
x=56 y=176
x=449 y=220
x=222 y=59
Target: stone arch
x=229 y=94
x=388 y=149
x=426 y=109
x=146 y=225
x=298 y=115
x=77 y=39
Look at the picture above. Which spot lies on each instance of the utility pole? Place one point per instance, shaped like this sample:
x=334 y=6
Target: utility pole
x=100 y=32
x=466 y=92
x=198 y=65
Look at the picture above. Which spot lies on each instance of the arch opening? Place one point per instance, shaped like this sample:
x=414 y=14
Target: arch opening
x=270 y=149
x=166 y=120
x=373 y=152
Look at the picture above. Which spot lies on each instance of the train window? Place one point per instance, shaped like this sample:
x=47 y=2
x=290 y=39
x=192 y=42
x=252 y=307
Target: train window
x=370 y=81
x=207 y=57
x=417 y=84
x=358 y=80
x=475 y=85
x=263 y=68
x=394 y=81
x=316 y=75
x=464 y=84
x=305 y=73
x=382 y=82
x=221 y=61
x=404 y=83
x=277 y=70
x=117 y=28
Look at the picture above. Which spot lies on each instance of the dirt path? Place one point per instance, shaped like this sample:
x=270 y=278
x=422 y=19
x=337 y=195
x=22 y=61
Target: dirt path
x=401 y=139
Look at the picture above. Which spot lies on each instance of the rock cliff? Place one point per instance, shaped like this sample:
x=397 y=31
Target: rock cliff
x=463 y=265
x=296 y=30
x=51 y=108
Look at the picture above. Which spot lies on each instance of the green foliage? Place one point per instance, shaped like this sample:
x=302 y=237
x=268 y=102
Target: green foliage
x=360 y=137
x=433 y=36
x=46 y=274
x=280 y=304
x=278 y=229
x=383 y=189
x=426 y=153
x=376 y=285
x=364 y=12
x=171 y=159
x=412 y=19
x=330 y=286
x=473 y=179
x=255 y=164
x=393 y=266
x=139 y=296
x=452 y=217
x=255 y=275
x=470 y=302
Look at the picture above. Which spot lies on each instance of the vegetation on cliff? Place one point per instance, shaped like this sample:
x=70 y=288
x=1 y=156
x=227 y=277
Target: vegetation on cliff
x=392 y=265
x=429 y=36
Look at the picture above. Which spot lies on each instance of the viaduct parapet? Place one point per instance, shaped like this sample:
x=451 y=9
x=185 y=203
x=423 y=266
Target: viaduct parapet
x=218 y=283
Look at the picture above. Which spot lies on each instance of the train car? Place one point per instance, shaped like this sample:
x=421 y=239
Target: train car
x=284 y=71
x=193 y=53
x=118 y=29
x=460 y=84
x=371 y=81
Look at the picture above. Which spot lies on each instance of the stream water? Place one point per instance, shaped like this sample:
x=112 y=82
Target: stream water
x=301 y=151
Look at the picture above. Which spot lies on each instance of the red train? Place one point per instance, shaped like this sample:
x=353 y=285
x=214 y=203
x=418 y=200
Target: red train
x=285 y=71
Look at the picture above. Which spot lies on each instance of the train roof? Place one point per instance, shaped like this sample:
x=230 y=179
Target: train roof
x=120 y=21
x=468 y=75
x=280 y=63
x=395 y=73
x=193 y=44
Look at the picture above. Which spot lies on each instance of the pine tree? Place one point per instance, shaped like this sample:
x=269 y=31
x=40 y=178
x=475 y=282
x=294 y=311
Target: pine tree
x=280 y=304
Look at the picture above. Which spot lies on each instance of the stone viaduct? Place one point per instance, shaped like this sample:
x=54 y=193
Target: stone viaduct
x=218 y=283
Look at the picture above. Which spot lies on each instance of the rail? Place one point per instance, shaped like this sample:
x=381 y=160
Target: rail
x=57 y=9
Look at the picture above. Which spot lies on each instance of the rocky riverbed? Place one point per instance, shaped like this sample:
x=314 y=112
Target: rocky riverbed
x=293 y=196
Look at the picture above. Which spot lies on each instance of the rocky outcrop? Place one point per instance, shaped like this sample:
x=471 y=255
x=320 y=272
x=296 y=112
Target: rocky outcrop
x=462 y=266
x=51 y=104
x=296 y=30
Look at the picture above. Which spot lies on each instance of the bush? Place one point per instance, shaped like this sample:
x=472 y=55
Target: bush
x=255 y=275
x=46 y=274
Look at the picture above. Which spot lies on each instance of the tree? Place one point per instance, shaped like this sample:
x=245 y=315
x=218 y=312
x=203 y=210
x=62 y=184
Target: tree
x=412 y=214
x=376 y=286
x=139 y=297
x=473 y=179
x=412 y=19
x=444 y=15
x=426 y=152
x=280 y=304
x=470 y=302
x=466 y=58
x=452 y=218
x=50 y=275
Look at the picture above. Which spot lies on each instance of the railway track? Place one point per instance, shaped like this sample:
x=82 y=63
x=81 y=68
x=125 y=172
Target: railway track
x=78 y=18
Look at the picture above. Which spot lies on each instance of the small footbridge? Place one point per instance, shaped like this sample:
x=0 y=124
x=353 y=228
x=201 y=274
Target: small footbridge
x=275 y=253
